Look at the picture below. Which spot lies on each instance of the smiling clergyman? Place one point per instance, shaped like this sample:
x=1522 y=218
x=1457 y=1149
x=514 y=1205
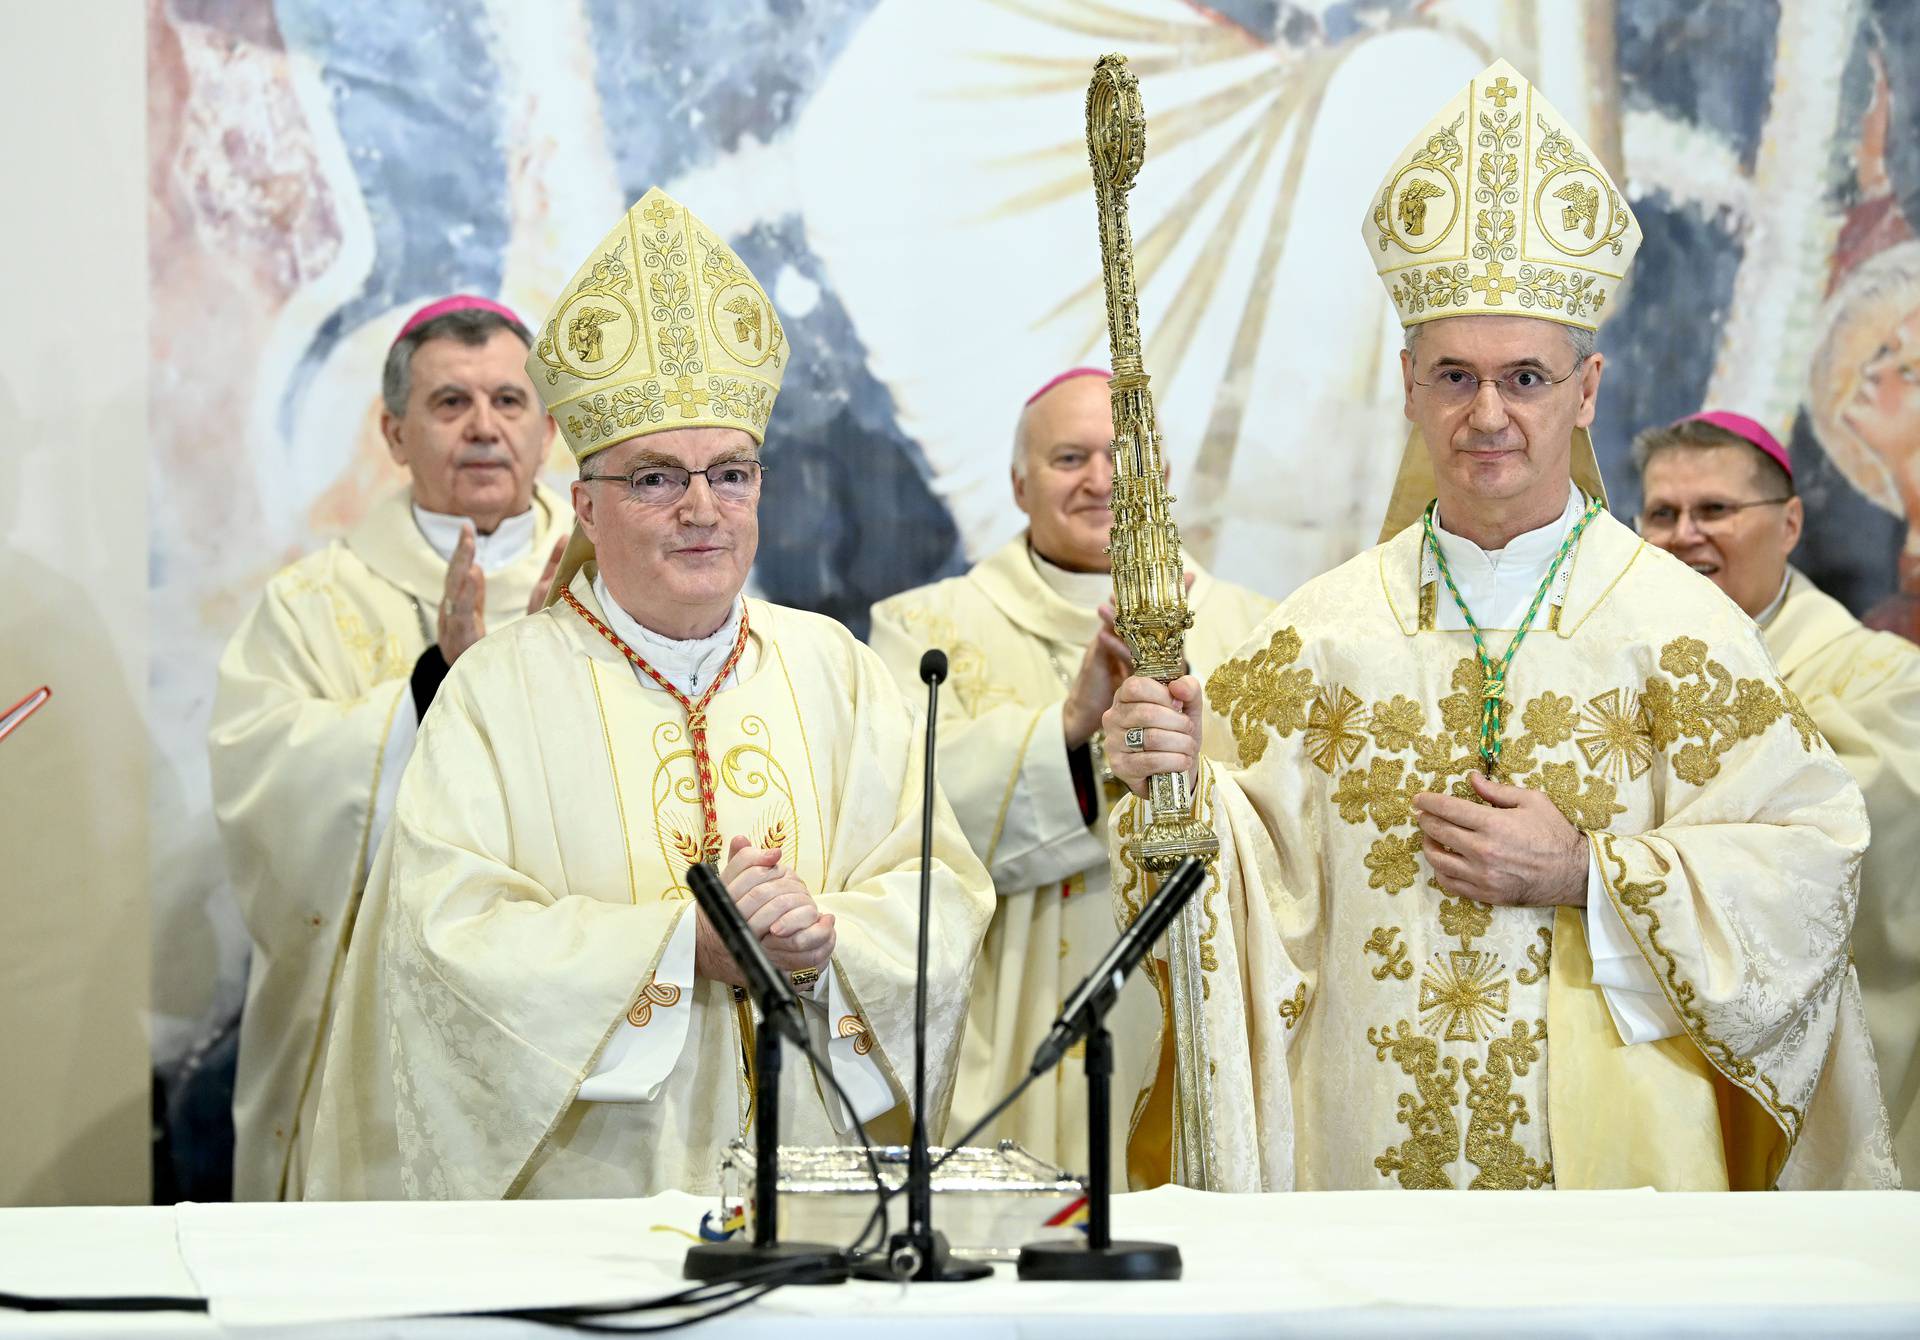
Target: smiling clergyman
x=533 y=1006
x=324 y=685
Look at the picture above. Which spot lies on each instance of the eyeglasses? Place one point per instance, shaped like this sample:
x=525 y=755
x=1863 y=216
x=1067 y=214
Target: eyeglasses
x=659 y=485
x=1706 y=515
x=1524 y=386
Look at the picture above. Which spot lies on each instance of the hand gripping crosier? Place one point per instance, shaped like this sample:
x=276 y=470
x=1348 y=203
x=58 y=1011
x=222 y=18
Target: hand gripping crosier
x=1149 y=588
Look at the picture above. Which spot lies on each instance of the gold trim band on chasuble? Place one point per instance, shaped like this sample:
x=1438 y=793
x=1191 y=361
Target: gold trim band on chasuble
x=696 y=716
x=703 y=771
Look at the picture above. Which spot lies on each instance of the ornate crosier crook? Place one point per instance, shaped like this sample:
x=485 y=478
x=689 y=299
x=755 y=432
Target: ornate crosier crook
x=1149 y=587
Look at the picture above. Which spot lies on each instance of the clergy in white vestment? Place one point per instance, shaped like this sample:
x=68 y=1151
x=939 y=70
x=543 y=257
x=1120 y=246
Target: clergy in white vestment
x=1718 y=494
x=1030 y=672
x=323 y=687
x=533 y=1005
x=1532 y=872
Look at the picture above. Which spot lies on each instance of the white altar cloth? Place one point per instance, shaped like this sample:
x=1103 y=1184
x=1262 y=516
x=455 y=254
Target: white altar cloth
x=1347 y=1263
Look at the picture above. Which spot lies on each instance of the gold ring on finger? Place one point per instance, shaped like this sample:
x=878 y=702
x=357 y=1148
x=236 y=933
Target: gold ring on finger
x=1136 y=738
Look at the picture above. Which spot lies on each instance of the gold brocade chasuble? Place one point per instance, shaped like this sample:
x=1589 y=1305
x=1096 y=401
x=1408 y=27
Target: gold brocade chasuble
x=536 y=871
x=1366 y=1030
x=309 y=690
x=1013 y=645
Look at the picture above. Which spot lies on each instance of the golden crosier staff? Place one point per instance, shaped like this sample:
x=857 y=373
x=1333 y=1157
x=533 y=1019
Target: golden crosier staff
x=1149 y=589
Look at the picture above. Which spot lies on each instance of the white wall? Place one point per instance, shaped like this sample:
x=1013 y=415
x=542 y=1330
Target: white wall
x=73 y=604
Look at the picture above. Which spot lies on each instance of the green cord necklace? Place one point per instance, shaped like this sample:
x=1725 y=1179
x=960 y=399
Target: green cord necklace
x=1493 y=691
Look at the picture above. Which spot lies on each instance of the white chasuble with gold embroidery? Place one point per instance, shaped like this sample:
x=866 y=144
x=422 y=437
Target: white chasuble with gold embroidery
x=1363 y=1029
x=524 y=910
x=1013 y=645
x=312 y=725
x=1862 y=688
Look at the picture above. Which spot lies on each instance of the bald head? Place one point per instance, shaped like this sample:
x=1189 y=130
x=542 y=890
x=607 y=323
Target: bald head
x=1046 y=403
x=1063 y=472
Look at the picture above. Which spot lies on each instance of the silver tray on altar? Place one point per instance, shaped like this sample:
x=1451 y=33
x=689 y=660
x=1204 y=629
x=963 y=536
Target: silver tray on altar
x=988 y=1201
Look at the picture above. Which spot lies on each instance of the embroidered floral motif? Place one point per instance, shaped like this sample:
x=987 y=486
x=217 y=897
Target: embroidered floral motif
x=1385 y=941
x=1704 y=706
x=1550 y=719
x=1380 y=793
x=1540 y=956
x=1495 y=1109
x=1420 y=1161
x=1464 y=917
x=1294 y=1006
x=1394 y=862
x=1803 y=722
x=1497 y=188
x=1588 y=803
x=1395 y=723
x=631 y=406
x=1264 y=692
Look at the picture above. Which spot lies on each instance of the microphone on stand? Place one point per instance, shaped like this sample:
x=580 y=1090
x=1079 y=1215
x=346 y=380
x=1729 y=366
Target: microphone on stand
x=920 y=1252
x=1098 y=1256
x=809 y=1262
x=1095 y=995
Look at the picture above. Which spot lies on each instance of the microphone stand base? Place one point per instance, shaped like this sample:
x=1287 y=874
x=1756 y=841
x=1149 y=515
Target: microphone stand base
x=923 y=1263
x=813 y=1262
x=1081 y=1260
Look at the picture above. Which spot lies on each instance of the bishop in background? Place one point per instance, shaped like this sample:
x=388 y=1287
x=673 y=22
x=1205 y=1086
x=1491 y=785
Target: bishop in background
x=1533 y=872
x=532 y=1005
x=1020 y=757
x=1718 y=494
x=323 y=688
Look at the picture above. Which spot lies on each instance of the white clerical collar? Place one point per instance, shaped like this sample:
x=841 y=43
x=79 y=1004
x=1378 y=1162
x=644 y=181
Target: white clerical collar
x=1766 y=615
x=1088 y=590
x=690 y=665
x=508 y=544
x=1530 y=552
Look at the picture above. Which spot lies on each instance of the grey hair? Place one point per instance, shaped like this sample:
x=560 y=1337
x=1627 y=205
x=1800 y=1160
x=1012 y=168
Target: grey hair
x=1585 y=343
x=472 y=326
x=1696 y=435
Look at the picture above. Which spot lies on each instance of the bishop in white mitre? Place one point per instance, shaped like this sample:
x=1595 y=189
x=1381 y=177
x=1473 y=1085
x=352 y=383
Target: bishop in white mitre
x=1031 y=671
x=533 y=1006
x=323 y=687
x=1532 y=871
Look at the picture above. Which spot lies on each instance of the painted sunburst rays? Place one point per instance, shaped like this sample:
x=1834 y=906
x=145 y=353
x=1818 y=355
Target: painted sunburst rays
x=1265 y=98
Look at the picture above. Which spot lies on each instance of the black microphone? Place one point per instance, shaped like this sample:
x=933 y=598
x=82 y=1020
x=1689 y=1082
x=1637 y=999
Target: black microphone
x=920 y=1251
x=770 y=987
x=1095 y=995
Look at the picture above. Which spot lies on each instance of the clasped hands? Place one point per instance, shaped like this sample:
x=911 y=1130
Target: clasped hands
x=1516 y=849
x=777 y=908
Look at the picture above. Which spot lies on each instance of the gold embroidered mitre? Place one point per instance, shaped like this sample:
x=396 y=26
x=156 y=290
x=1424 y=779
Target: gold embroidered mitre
x=661 y=328
x=1498 y=208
